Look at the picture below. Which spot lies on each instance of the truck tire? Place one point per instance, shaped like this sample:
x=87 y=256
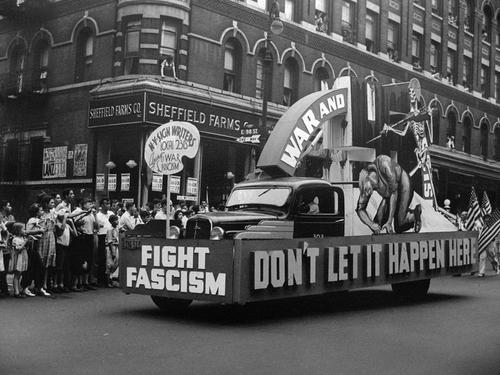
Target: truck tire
x=171 y=304
x=411 y=290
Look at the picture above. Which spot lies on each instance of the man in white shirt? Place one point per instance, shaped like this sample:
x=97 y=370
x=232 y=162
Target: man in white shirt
x=162 y=214
x=130 y=217
x=104 y=225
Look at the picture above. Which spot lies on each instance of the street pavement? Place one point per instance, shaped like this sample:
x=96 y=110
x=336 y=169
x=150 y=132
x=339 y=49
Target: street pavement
x=453 y=331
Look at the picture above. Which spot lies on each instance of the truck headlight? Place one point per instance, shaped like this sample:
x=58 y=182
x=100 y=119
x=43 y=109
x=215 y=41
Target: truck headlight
x=217 y=233
x=175 y=233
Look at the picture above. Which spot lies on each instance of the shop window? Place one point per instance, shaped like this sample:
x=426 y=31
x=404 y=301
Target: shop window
x=485 y=81
x=468 y=15
x=17 y=61
x=451 y=71
x=321 y=16
x=416 y=51
x=264 y=73
x=435 y=57
x=348 y=30
x=453 y=12
x=484 y=140
x=290 y=10
x=40 y=66
x=497 y=143
x=290 y=82
x=437 y=6
x=232 y=66
x=452 y=129
x=84 y=54
x=487 y=24
x=321 y=78
x=393 y=40
x=11 y=160
x=36 y=157
x=466 y=139
x=131 y=51
x=371 y=32
x=467 y=73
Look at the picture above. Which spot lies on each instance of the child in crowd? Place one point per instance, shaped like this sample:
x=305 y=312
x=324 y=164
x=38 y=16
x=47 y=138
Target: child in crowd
x=112 y=241
x=63 y=235
x=35 y=267
x=19 y=258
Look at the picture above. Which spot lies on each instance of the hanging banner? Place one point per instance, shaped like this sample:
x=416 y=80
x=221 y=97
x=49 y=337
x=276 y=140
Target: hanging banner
x=80 y=160
x=175 y=184
x=54 y=162
x=157 y=184
x=111 y=182
x=192 y=186
x=125 y=182
x=99 y=181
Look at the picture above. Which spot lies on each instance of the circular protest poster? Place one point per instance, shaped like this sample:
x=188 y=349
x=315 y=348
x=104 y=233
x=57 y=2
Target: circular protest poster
x=167 y=144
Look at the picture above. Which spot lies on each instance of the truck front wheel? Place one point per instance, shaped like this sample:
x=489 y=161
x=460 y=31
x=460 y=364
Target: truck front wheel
x=171 y=304
x=411 y=289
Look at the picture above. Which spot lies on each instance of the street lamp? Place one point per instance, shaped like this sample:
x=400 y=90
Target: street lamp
x=276 y=28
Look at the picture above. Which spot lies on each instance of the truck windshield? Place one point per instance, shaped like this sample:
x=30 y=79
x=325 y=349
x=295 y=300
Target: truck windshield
x=269 y=196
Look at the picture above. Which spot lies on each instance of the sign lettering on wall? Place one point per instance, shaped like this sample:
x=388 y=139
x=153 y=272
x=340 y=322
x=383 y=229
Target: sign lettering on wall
x=99 y=181
x=80 y=160
x=157 y=184
x=112 y=182
x=54 y=162
x=125 y=182
x=117 y=110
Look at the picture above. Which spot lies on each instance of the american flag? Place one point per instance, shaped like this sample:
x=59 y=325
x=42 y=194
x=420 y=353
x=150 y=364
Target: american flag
x=485 y=204
x=490 y=230
x=474 y=212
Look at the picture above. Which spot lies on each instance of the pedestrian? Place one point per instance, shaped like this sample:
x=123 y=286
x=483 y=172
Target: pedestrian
x=112 y=242
x=47 y=244
x=104 y=225
x=130 y=217
x=68 y=197
x=5 y=218
x=35 y=271
x=57 y=199
x=162 y=213
x=19 y=258
x=63 y=237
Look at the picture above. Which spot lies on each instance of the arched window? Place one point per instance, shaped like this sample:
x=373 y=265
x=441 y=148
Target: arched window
x=290 y=81
x=497 y=143
x=84 y=53
x=484 y=140
x=468 y=16
x=466 y=138
x=436 y=122
x=264 y=73
x=487 y=23
x=17 y=62
x=321 y=79
x=232 y=66
x=451 y=132
x=40 y=66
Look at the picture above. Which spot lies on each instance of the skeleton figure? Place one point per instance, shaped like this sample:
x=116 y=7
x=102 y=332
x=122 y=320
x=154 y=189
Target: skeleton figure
x=418 y=125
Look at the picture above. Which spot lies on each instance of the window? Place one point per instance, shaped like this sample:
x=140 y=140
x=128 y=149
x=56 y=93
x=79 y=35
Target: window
x=466 y=139
x=17 y=70
x=290 y=10
x=436 y=122
x=451 y=74
x=371 y=107
x=487 y=26
x=265 y=57
x=453 y=12
x=11 y=160
x=40 y=66
x=321 y=78
x=435 y=58
x=371 y=32
x=348 y=21
x=168 y=43
x=468 y=16
x=497 y=87
x=436 y=7
x=467 y=73
x=132 y=37
x=36 y=157
x=393 y=40
x=452 y=125
x=484 y=140
x=84 y=52
x=497 y=143
x=320 y=16
x=416 y=51
x=232 y=63
x=290 y=82
x=485 y=81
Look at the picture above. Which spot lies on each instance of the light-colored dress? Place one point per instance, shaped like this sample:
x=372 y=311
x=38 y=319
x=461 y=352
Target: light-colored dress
x=19 y=257
x=47 y=244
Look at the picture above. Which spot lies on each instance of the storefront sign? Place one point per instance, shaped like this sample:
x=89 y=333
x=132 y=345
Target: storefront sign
x=192 y=186
x=207 y=118
x=186 y=198
x=99 y=181
x=116 y=110
x=168 y=144
x=175 y=184
x=111 y=182
x=80 y=160
x=125 y=182
x=54 y=162
x=157 y=184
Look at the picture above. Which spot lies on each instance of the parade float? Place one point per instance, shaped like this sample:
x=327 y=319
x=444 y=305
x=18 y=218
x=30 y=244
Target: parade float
x=282 y=236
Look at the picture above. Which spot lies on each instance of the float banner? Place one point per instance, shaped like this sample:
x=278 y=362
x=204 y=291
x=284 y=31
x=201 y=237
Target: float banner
x=188 y=269
x=289 y=268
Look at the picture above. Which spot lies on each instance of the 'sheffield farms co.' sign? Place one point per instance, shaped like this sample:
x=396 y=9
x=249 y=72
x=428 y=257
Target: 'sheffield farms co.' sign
x=156 y=109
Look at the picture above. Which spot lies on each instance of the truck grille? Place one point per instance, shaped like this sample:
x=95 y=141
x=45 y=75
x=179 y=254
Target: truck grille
x=198 y=229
